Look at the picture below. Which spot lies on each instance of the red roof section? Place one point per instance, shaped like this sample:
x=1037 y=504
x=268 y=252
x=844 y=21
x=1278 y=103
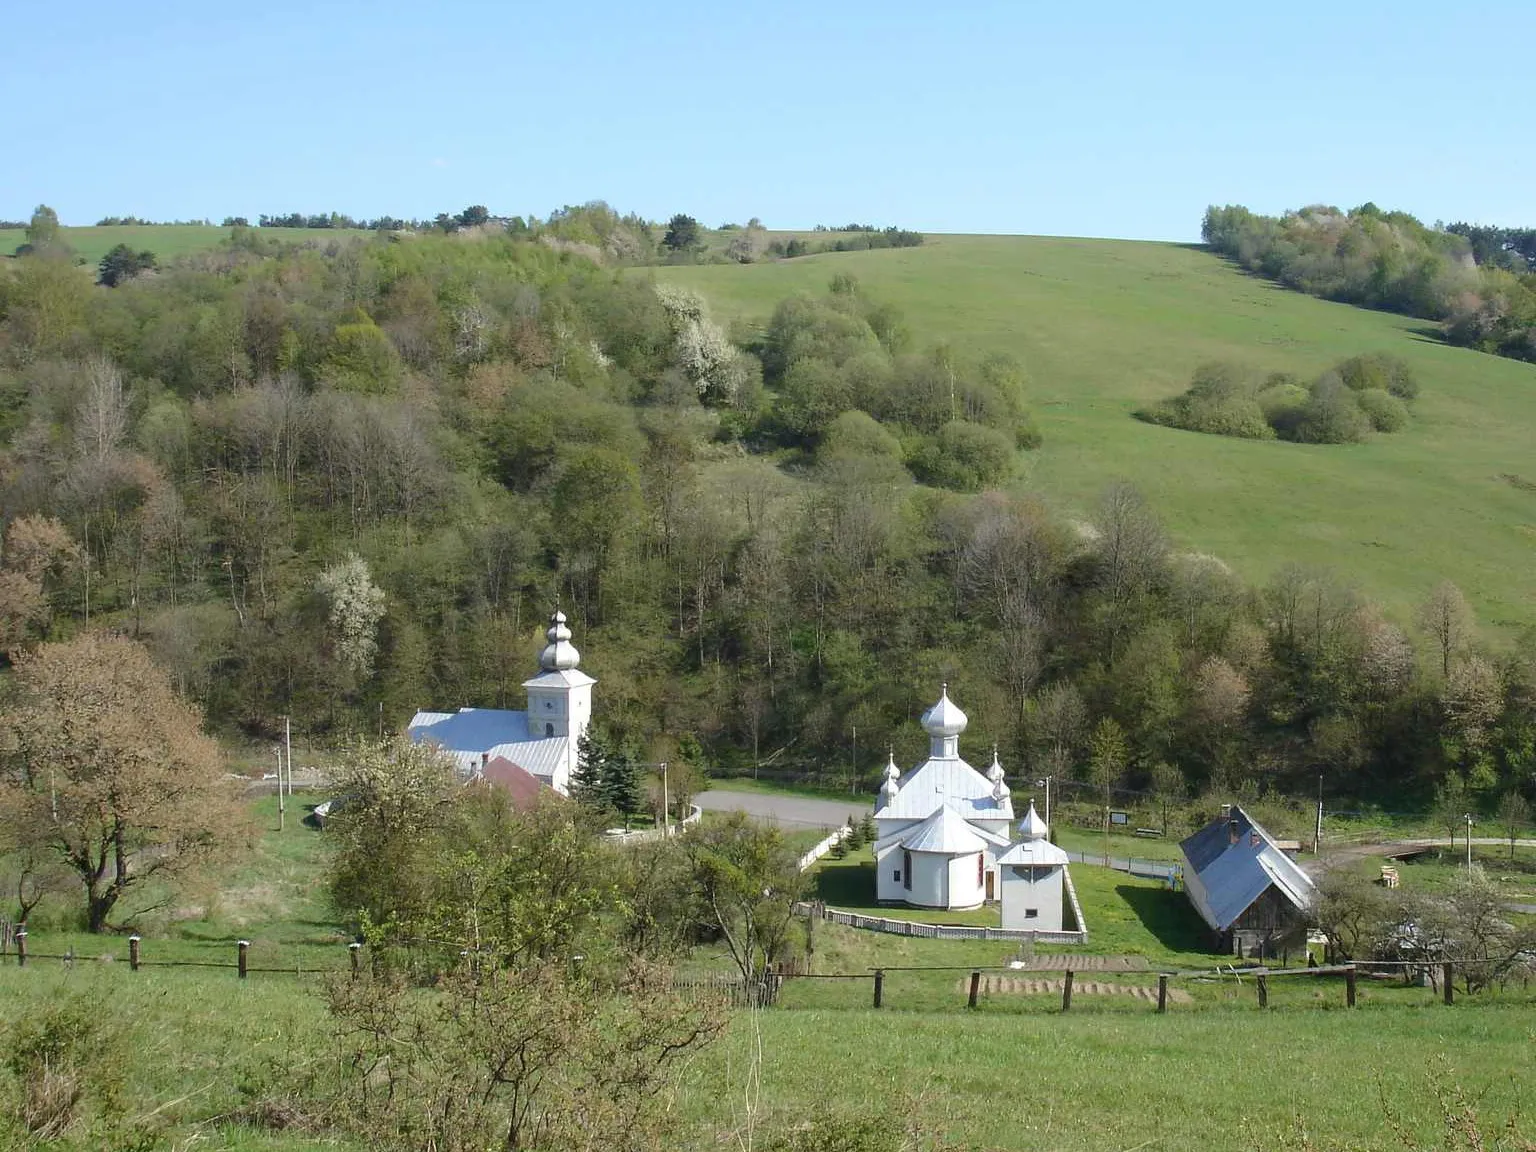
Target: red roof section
x=523 y=786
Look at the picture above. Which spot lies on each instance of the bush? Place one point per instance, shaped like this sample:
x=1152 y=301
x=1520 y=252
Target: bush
x=1283 y=403
x=1385 y=411
x=1221 y=400
x=1332 y=415
x=1378 y=371
x=966 y=457
x=858 y=433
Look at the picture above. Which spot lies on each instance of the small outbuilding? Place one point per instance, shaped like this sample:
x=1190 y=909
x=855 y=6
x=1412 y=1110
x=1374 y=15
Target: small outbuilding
x=1254 y=896
x=1033 y=873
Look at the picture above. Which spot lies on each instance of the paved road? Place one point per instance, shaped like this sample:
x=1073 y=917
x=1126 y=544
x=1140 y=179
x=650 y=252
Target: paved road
x=788 y=811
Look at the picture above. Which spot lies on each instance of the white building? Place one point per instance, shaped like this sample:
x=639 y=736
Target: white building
x=944 y=826
x=1033 y=875
x=542 y=740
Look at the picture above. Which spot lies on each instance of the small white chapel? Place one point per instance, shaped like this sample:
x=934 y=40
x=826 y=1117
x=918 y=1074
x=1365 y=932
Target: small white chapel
x=944 y=840
x=540 y=742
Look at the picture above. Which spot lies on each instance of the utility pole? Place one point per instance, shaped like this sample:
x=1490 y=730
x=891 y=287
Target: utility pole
x=1317 y=839
x=1469 y=843
x=280 y=812
x=853 y=784
x=666 y=804
x=288 y=745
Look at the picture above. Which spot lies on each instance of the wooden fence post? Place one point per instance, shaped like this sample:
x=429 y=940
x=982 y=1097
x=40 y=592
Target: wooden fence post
x=21 y=947
x=355 y=951
x=243 y=946
x=975 y=988
x=1349 y=986
x=1445 y=979
x=879 y=986
x=133 y=952
x=1162 y=992
x=1262 y=983
x=1066 y=992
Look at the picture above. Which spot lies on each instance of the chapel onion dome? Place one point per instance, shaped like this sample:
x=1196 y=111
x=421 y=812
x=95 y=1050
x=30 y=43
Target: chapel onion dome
x=944 y=719
x=1000 y=790
x=560 y=655
x=995 y=773
x=1032 y=827
x=892 y=783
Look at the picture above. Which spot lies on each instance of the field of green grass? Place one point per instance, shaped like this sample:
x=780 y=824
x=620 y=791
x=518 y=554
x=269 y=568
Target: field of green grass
x=164 y=240
x=214 y=1054
x=1104 y=327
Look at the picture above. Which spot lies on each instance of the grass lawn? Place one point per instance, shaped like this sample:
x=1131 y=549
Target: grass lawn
x=1104 y=327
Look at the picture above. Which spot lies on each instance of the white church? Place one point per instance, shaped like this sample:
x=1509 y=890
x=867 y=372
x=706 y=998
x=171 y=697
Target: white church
x=540 y=741
x=944 y=839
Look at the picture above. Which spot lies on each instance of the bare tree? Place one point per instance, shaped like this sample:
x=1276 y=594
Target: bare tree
x=1446 y=619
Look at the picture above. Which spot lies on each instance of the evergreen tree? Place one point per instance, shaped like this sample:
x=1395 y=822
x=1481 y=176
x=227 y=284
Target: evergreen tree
x=590 y=774
x=621 y=786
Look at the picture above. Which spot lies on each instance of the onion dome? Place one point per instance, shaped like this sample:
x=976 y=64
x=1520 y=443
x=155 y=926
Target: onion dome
x=1032 y=827
x=560 y=655
x=995 y=773
x=892 y=783
x=944 y=719
x=1000 y=790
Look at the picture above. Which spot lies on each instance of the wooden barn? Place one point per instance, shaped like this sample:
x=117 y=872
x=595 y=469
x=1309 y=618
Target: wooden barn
x=1254 y=896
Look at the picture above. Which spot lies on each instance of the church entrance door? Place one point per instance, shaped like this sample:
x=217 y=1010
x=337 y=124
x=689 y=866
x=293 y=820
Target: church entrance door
x=991 y=885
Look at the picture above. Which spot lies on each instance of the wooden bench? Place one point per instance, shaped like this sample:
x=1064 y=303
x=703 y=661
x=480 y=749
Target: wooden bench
x=1149 y=831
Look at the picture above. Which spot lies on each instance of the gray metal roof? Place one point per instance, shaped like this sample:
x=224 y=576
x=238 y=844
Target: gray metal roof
x=1034 y=854
x=471 y=733
x=946 y=781
x=1233 y=861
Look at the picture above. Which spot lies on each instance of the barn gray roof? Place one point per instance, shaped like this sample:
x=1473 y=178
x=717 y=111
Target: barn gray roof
x=1233 y=861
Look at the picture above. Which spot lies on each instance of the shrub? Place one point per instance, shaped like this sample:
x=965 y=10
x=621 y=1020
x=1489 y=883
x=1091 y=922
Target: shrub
x=1379 y=371
x=1282 y=401
x=858 y=433
x=1385 y=411
x=1220 y=400
x=1332 y=415
x=966 y=457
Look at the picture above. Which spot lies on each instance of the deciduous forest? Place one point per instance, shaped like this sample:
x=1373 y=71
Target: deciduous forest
x=343 y=480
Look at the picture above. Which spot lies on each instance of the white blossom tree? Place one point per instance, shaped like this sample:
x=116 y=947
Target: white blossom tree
x=356 y=606
x=703 y=352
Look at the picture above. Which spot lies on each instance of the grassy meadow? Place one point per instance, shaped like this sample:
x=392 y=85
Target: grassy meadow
x=166 y=241
x=218 y=1062
x=1104 y=327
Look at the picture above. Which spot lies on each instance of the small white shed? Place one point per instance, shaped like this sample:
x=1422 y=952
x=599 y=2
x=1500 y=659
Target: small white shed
x=1032 y=876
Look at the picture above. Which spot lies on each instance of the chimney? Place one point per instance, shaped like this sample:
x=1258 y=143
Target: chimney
x=485 y=759
x=1226 y=811
x=1232 y=831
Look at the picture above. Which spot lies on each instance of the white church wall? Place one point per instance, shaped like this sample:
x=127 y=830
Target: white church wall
x=966 y=882
x=888 y=884
x=1043 y=893
x=930 y=880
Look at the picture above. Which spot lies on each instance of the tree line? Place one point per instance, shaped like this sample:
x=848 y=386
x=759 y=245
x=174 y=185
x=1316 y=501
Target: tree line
x=1477 y=282
x=344 y=483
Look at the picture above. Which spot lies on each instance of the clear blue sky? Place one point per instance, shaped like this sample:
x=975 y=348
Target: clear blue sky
x=1099 y=119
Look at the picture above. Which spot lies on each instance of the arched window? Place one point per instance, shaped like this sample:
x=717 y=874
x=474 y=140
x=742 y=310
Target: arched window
x=549 y=729
x=906 y=869
x=981 y=868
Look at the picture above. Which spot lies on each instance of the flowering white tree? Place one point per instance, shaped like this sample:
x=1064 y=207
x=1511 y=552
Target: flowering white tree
x=356 y=607
x=703 y=352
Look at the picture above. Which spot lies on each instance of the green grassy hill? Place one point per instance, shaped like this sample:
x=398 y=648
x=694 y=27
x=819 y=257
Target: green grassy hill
x=1105 y=326
x=164 y=240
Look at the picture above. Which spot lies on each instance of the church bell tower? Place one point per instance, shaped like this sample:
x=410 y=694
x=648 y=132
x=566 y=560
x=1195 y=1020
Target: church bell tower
x=560 y=698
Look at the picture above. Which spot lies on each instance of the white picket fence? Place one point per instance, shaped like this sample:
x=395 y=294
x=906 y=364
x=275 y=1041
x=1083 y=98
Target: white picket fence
x=825 y=846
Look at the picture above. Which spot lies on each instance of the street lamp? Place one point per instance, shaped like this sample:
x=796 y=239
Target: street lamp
x=1046 y=784
x=1468 y=819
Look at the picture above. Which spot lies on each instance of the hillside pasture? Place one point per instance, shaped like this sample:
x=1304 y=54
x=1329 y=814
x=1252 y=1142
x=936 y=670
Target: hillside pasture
x=1104 y=327
x=166 y=241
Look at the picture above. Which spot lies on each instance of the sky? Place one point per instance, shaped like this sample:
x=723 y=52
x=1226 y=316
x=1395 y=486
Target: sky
x=1116 y=119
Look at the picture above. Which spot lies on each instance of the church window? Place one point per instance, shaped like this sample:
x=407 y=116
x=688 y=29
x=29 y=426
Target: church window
x=981 y=869
x=549 y=729
x=1031 y=913
x=896 y=875
x=906 y=869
